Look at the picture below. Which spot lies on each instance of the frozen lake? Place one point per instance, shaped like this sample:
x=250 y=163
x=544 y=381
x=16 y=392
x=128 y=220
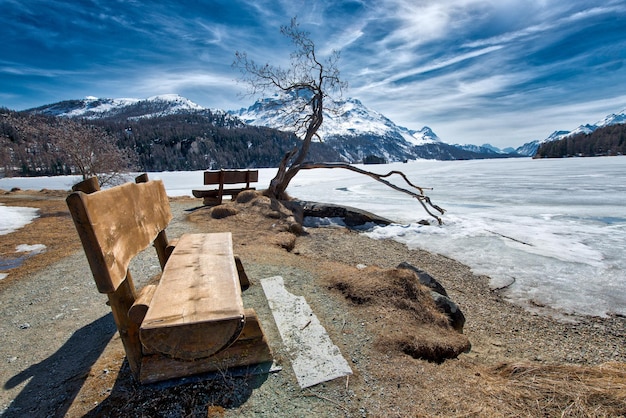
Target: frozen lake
x=553 y=231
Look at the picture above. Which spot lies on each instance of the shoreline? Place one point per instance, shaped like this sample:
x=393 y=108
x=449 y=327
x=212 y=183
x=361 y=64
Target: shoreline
x=59 y=300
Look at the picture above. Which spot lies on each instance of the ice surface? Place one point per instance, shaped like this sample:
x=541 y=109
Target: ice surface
x=556 y=228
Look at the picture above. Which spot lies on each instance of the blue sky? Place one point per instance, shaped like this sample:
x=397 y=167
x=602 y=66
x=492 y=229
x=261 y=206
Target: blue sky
x=476 y=71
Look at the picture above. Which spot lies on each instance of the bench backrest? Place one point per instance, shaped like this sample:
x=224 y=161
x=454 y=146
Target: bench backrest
x=231 y=177
x=116 y=224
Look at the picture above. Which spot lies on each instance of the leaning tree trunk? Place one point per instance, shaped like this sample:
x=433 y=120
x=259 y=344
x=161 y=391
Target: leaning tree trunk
x=292 y=161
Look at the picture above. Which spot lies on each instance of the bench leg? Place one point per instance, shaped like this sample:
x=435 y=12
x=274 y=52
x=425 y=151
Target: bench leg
x=243 y=277
x=120 y=301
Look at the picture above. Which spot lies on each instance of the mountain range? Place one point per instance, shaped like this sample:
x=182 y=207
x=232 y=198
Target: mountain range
x=356 y=132
x=350 y=129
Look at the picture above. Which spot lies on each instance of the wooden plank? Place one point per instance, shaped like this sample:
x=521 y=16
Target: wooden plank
x=116 y=224
x=161 y=243
x=215 y=192
x=314 y=357
x=196 y=310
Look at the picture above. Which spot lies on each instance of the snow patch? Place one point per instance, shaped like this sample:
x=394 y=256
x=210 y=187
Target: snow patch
x=15 y=217
x=32 y=249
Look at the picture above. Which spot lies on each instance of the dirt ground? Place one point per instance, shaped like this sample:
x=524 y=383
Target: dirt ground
x=61 y=355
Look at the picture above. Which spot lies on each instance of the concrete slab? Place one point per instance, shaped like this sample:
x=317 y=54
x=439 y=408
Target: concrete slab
x=314 y=357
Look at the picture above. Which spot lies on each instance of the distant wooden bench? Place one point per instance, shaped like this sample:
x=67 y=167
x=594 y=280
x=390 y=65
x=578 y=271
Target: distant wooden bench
x=191 y=321
x=224 y=177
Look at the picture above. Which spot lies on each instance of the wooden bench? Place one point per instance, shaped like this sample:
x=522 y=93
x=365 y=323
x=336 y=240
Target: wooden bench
x=224 y=177
x=193 y=320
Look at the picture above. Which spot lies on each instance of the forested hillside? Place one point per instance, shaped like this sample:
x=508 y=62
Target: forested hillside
x=37 y=145
x=202 y=140
x=609 y=140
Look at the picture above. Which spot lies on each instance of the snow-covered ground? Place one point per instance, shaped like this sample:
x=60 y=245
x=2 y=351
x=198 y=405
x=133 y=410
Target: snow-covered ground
x=14 y=217
x=554 y=230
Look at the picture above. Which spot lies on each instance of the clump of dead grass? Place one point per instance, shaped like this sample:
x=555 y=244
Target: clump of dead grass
x=253 y=218
x=223 y=211
x=246 y=196
x=558 y=390
x=285 y=240
x=415 y=326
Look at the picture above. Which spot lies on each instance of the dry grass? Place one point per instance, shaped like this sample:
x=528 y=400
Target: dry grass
x=557 y=390
x=53 y=228
x=413 y=324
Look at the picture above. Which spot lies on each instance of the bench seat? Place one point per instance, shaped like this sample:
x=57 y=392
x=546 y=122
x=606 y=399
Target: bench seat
x=196 y=310
x=202 y=193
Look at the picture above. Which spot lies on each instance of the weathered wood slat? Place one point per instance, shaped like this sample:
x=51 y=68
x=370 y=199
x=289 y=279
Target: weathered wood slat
x=231 y=176
x=215 y=192
x=196 y=310
x=117 y=224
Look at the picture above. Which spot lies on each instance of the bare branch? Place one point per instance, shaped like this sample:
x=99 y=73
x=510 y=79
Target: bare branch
x=421 y=197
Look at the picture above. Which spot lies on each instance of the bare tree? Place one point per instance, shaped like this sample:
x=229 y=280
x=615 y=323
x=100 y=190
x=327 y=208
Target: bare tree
x=303 y=87
x=92 y=152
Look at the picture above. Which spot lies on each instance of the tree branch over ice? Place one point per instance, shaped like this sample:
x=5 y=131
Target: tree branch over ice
x=421 y=197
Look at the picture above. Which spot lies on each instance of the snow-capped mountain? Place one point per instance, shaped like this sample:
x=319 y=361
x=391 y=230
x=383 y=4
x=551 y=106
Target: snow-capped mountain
x=99 y=108
x=356 y=131
x=425 y=136
x=344 y=118
x=349 y=127
x=530 y=148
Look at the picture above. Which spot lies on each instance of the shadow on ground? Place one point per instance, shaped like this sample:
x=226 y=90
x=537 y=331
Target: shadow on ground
x=55 y=382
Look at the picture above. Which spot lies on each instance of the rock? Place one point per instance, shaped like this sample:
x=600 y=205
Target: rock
x=352 y=216
x=440 y=296
x=457 y=319
x=425 y=278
